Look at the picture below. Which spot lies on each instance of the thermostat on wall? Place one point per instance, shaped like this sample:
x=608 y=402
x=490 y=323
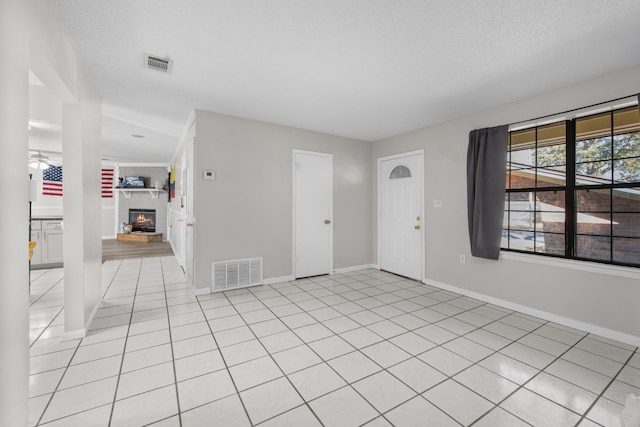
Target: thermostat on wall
x=210 y=175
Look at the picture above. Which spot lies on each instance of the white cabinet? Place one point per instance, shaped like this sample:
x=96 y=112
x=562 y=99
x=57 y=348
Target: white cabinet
x=36 y=236
x=49 y=235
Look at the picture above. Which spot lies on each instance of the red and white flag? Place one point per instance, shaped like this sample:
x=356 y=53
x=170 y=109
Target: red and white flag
x=52 y=181
x=107 y=183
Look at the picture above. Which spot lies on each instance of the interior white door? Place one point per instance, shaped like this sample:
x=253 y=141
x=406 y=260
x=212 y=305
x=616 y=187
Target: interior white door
x=401 y=214
x=182 y=221
x=313 y=213
x=190 y=213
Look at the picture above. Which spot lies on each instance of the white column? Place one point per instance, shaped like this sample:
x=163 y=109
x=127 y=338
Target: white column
x=72 y=152
x=82 y=210
x=14 y=221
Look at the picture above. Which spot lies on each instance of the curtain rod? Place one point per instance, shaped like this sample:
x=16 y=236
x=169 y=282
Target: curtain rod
x=529 y=121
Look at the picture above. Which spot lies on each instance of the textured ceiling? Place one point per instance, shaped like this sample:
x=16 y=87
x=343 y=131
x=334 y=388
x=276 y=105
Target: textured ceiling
x=366 y=69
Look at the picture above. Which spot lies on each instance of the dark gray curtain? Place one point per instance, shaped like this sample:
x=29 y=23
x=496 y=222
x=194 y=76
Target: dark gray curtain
x=486 y=177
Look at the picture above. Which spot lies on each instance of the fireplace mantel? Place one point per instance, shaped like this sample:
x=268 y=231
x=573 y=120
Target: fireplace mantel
x=153 y=192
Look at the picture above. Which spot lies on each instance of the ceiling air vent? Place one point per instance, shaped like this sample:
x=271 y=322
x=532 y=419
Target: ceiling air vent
x=164 y=65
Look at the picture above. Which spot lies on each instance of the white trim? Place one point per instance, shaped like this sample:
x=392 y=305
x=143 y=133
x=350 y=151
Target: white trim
x=153 y=192
x=576 y=113
x=572 y=323
x=201 y=291
x=73 y=335
x=274 y=280
x=420 y=153
x=190 y=209
x=353 y=268
x=183 y=138
x=35 y=211
x=146 y=165
x=173 y=248
x=81 y=333
x=294 y=152
x=116 y=205
x=572 y=264
x=175 y=214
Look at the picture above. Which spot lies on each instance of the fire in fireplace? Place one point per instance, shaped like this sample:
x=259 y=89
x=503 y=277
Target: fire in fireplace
x=143 y=220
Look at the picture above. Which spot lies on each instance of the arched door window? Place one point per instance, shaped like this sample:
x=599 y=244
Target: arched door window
x=400 y=172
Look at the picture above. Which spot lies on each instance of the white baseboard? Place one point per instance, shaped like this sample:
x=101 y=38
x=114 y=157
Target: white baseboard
x=353 y=268
x=272 y=280
x=81 y=333
x=572 y=323
x=74 y=335
x=201 y=291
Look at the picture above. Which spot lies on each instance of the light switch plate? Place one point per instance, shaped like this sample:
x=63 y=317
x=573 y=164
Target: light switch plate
x=209 y=175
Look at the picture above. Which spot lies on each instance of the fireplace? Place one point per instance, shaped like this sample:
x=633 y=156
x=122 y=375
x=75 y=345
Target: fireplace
x=143 y=220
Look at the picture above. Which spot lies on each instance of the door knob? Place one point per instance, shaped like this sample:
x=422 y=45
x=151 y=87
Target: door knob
x=189 y=224
x=327 y=221
x=417 y=227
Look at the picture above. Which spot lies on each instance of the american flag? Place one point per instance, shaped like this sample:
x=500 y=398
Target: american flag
x=107 y=183
x=52 y=181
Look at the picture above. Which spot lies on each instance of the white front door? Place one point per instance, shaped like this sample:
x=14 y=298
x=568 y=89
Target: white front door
x=400 y=199
x=190 y=214
x=313 y=213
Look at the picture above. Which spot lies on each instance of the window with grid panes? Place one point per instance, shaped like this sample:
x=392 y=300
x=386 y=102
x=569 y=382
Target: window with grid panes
x=573 y=189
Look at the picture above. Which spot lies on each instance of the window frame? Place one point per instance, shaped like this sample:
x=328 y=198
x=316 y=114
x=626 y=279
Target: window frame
x=570 y=189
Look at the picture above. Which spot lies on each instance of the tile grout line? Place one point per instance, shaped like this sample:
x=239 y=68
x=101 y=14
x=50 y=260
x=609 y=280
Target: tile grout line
x=59 y=382
x=124 y=348
x=441 y=345
x=224 y=361
x=613 y=379
x=173 y=358
x=270 y=354
x=559 y=357
x=344 y=288
x=38 y=299
x=358 y=350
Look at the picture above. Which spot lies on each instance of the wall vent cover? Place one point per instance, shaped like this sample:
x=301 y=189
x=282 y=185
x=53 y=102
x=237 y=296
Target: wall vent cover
x=163 y=65
x=237 y=273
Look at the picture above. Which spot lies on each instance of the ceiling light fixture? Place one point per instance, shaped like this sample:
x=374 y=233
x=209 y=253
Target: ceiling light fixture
x=39 y=161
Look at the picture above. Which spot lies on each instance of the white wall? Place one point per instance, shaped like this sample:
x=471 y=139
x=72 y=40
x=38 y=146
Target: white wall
x=31 y=38
x=247 y=210
x=599 y=301
x=14 y=294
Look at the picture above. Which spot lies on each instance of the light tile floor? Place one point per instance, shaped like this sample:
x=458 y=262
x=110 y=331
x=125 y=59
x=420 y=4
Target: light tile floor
x=362 y=348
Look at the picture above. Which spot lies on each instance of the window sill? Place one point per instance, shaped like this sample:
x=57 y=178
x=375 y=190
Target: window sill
x=592 y=267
